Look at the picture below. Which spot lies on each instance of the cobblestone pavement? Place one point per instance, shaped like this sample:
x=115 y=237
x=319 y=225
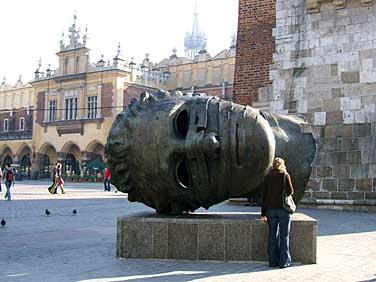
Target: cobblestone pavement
x=67 y=247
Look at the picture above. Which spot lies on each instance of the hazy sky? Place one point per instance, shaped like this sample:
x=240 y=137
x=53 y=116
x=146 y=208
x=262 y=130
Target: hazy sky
x=32 y=29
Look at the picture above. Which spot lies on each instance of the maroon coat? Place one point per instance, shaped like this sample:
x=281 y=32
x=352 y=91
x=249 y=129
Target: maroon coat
x=273 y=188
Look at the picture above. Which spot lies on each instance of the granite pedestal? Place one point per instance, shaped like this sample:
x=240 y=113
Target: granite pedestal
x=209 y=236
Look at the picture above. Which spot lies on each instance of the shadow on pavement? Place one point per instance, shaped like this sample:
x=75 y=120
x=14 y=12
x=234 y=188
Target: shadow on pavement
x=330 y=222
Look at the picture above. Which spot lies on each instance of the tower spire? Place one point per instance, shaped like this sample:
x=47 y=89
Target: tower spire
x=194 y=40
x=195 y=30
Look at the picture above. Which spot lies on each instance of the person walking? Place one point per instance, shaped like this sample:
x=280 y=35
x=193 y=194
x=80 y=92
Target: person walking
x=8 y=174
x=278 y=219
x=52 y=188
x=106 y=179
x=59 y=178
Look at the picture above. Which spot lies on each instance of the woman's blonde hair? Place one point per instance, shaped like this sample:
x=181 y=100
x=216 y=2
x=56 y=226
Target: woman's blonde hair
x=279 y=164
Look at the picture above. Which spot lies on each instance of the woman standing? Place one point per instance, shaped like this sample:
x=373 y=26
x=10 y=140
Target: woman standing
x=278 y=219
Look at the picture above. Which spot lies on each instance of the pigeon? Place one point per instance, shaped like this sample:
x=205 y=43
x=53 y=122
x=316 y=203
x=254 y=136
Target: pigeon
x=3 y=222
x=74 y=211
x=47 y=212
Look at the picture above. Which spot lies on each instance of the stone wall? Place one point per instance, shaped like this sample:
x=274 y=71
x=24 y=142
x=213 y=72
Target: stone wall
x=324 y=67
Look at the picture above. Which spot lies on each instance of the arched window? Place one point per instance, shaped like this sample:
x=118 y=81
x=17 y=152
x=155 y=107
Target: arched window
x=25 y=166
x=7 y=160
x=46 y=166
x=71 y=164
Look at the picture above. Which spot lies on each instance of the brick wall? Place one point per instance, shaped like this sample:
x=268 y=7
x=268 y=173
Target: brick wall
x=255 y=48
x=4 y=115
x=107 y=99
x=217 y=91
x=134 y=91
x=22 y=113
x=40 y=106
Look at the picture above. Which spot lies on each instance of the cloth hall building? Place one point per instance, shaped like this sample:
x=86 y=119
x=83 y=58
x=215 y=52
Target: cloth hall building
x=65 y=114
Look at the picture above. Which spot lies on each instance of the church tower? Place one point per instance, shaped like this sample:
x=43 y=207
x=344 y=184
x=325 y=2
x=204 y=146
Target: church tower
x=195 y=40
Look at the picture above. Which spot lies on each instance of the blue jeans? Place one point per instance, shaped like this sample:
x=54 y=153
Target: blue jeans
x=7 y=194
x=279 y=222
x=107 y=184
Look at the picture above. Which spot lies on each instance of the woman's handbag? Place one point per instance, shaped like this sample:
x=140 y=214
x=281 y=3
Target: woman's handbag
x=287 y=201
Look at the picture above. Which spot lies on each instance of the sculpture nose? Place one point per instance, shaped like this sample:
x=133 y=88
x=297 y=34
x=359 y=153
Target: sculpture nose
x=211 y=145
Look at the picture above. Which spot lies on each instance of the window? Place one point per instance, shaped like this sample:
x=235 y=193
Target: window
x=92 y=106
x=46 y=165
x=6 y=125
x=22 y=124
x=52 y=109
x=71 y=108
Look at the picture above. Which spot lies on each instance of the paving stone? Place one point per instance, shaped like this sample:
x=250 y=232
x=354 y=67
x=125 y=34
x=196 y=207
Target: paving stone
x=63 y=247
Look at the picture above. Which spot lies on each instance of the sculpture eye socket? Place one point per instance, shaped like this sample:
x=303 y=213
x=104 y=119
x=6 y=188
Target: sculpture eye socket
x=182 y=174
x=181 y=123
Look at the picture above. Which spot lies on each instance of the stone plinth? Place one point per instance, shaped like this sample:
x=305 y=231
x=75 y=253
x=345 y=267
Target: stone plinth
x=209 y=236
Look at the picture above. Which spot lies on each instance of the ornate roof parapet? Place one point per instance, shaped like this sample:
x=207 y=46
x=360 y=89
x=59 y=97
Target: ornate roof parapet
x=38 y=74
x=118 y=59
x=313 y=6
x=174 y=54
x=203 y=55
x=74 y=37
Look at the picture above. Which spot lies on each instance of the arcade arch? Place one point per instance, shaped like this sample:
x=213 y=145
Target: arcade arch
x=6 y=156
x=47 y=156
x=24 y=154
x=95 y=149
x=71 y=157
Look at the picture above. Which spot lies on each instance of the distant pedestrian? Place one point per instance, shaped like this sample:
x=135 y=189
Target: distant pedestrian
x=278 y=219
x=106 y=179
x=9 y=181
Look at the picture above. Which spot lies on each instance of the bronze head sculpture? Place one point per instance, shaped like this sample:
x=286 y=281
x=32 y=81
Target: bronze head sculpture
x=177 y=153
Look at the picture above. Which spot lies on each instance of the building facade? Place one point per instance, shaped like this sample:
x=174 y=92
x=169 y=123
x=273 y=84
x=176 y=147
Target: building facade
x=65 y=114
x=322 y=66
x=76 y=105
x=197 y=71
x=205 y=74
x=16 y=125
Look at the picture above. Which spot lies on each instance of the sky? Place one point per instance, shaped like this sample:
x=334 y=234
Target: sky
x=32 y=29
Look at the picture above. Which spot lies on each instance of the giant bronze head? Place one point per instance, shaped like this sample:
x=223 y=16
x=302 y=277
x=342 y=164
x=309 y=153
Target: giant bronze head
x=178 y=152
